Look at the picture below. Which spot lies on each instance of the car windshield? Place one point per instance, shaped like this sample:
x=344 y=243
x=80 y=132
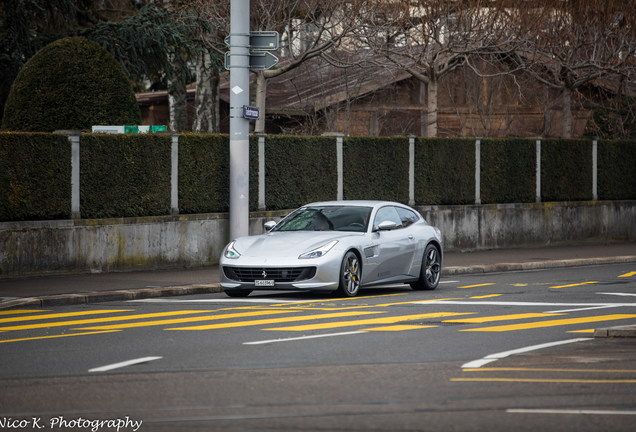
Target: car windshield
x=327 y=218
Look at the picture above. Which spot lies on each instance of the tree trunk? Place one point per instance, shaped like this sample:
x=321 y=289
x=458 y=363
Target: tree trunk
x=567 y=113
x=178 y=106
x=206 y=102
x=432 y=107
x=261 y=95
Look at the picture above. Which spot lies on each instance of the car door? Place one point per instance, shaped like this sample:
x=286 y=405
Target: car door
x=392 y=252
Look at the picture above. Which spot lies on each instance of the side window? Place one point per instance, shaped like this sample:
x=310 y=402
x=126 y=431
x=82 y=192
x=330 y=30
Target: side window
x=407 y=216
x=387 y=214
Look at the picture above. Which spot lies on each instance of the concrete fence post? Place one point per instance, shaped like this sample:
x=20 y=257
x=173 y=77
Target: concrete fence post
x=74 y=138
x=411 y=170
x=538 y=172
x=339 y=162
x=595 y=170
x=478 y=171
x=261 y=170
x=174 y=178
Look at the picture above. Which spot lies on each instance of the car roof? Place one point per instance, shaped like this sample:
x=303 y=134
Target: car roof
x=354 y=203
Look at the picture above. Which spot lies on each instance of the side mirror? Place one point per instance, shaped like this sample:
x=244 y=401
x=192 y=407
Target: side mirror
x=269 y=225
x=387 y=226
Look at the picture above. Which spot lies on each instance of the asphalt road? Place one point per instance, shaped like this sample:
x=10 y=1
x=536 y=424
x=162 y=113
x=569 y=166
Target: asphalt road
x=497 y=352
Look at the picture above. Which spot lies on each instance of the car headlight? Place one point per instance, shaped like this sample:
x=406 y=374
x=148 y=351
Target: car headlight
x=438 y=232
x=318 y=252
x=230 y=252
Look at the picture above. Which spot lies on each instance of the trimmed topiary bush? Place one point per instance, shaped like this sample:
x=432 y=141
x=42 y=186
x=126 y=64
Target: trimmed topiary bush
x=72 y=83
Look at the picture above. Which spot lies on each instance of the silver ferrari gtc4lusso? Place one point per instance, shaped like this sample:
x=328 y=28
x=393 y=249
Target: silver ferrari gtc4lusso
x=336 y=246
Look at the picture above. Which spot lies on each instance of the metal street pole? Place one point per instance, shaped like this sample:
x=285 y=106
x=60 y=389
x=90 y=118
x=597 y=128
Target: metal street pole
x=239 y=126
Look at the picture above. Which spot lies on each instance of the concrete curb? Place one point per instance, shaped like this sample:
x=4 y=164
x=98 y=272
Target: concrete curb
x=105 y=296
x=506 y=267
x=619 y=332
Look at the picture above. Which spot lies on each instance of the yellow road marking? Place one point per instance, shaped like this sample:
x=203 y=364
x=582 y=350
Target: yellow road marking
x=494 y=369
x=56 y=336
x=98 y=320
x=398 y=328
x=552 y=323
x=417 y=301
x=486 y=296
x=628 y=274
x=573 y=285
x=582 y=331
x=502 y=318
x=62 y=315
x=478 y=285
x=384 y=320
x=273 y=321
x=19 y=311
x=187 y=320
x=530 y=380
x=336 y=299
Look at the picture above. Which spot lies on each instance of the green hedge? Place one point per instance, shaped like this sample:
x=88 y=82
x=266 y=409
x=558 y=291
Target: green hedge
x=299 y=170
x=616 y=170
x=35 y=176
x=204 y=173
x=444 y=171
x=508 y=171
x=376 y=168
x=125 y=175
x=566 y=170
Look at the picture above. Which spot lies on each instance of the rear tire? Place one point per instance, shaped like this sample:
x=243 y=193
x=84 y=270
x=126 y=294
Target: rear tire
x=350 y=273
x=430 y=271
x=237 y=293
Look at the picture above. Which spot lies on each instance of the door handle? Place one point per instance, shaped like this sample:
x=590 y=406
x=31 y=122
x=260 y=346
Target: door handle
x=411 y=236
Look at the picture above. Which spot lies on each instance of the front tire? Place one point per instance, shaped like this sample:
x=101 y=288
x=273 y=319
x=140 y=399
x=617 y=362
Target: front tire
x=431 y=270
x=350 y=273
x=237 y=293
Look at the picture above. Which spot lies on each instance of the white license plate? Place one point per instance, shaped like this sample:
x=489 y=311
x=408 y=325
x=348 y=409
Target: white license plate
x=264 y=282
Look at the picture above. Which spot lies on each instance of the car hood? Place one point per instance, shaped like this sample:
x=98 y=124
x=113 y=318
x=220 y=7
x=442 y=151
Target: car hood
x=287 y=244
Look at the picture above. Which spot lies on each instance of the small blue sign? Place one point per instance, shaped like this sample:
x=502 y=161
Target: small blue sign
x=250 y=113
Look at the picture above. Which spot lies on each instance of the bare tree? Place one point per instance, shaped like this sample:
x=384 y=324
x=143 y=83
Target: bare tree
x=578 y=42
x=431 y=38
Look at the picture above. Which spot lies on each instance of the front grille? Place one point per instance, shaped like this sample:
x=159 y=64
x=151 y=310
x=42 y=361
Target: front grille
x=278 y=274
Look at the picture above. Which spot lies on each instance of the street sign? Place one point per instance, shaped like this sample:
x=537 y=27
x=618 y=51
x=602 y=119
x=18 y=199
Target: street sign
x=260 y=40
x=250 y=113
x=259 y=60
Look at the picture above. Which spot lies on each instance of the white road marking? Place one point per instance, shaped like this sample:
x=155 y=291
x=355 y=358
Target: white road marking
x=494 y=357
x=582 y=309
x=123 y=364
x=502 y=303
x=555 y=411
x=304 y=337
x=619 y=294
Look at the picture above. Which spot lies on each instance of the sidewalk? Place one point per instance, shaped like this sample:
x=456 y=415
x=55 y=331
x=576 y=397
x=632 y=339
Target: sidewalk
x=48 y=291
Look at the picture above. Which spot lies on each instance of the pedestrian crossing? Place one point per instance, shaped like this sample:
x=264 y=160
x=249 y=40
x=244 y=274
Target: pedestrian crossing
x=310 y=318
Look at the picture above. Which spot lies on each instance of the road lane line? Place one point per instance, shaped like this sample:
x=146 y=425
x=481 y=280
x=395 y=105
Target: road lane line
x=221 y=300
x=399 y=328
x=478 y=285
x=494 y=357
x=56 y=336
x=551 y=323
x=573 y=285
x=372 y=321
x=628 y=274
x=547 y=380
x=20 y=311
x=303 y=338
x=274 y=321
x=185 y=320
x=502 y=303
x=501 y=318
x=619 y=294
x=98 y=320
x=485 y=296
x=582 y=309
x=520 y=369
x=124 y=364
x=62 y=315
x=569 y=412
